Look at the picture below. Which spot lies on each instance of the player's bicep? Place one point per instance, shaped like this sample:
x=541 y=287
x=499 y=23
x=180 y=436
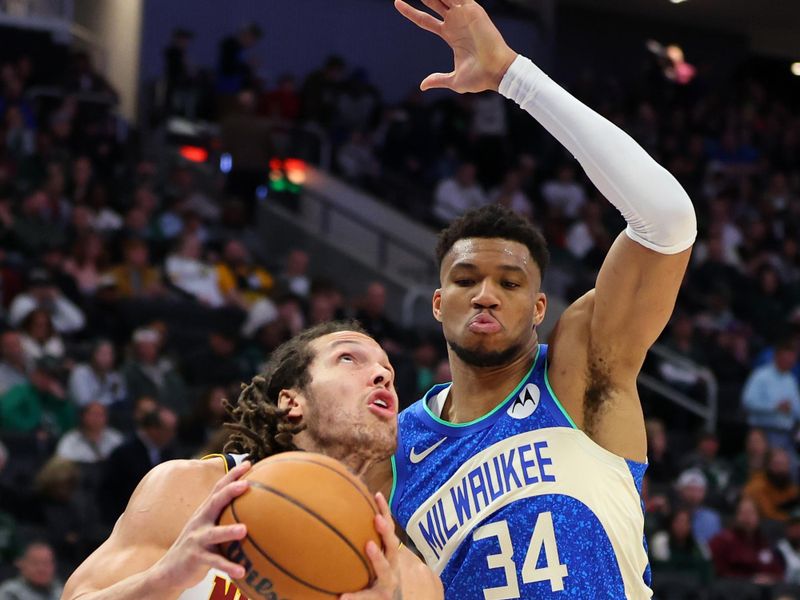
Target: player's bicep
x=634 y=297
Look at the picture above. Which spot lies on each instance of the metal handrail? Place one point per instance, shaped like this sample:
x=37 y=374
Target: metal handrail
x=708 y=411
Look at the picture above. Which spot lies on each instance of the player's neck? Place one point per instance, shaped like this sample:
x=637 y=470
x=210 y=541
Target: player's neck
x=476 y=391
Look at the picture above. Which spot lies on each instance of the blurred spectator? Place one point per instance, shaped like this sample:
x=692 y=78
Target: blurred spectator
x=587 y=239
x=39 y=339
x=771 y=398
x=752 y=460
x=13 y=366
x=235 y=69
x=357 y=160
x=87 y=263
x=37 y=575
x=742 y=551
x=129 y=462
x=456 y=195
x=97 y=380
x=510 y=194
x=40 y=405
x=147 y=373
x=662 y=465
x=716 y=470
x=93 y=440
x=68 y=515
x=82 y=77
x=706 y=522
x=215 y=362
x=789 y=547
x=677 y=552
x=773 y=489
x=32 y=228
x=321 y=90
x=372 y=315
x=295 y=275
x=188 y=272
x=43 y=294
x=564 y=195
x=240 y=280
x=282 y=103
x=8 y=525
x=205 y=420
x=177 y=74
x=135 y=277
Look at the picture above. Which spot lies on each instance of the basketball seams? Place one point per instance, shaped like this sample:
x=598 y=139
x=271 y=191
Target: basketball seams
x=320 y=518
x=346 y=476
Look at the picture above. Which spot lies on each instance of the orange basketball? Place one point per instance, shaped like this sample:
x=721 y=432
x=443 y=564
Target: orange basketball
x=308 y=522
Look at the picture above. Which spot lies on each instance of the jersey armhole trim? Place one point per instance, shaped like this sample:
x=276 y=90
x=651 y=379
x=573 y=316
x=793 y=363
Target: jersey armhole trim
x=226 y=460
x=555 y=398
x=394 y=483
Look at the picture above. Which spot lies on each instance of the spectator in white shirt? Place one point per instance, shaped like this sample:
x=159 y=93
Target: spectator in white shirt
x=42 y=293
x=187 y=272
x=97 y=381
x=39 y=338
x=93 y=440
x=456 y=195
x=564 y=195
x=510 y=195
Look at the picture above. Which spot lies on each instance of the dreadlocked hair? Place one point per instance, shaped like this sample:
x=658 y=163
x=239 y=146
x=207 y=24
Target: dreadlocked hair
x=259 y=428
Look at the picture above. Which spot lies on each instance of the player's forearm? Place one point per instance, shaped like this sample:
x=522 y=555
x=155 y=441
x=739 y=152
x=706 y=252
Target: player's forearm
x=659 y=214
x=147 y=585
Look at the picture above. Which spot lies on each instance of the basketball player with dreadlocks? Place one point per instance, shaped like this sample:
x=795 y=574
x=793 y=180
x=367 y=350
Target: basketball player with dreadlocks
x=329 y=390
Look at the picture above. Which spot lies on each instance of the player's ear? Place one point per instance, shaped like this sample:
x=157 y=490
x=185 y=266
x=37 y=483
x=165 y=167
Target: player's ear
x=437 y=304
x=291 y=400
x=540 y=308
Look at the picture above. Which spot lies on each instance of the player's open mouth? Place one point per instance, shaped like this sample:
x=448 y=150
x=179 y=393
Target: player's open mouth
x=484 y=323
x=382 y=403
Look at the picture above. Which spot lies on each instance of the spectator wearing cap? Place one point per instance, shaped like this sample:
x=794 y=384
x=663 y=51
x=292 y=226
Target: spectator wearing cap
x=789 y=547
x=771 y=398
x=13 y=366
x=93 y=440
x=742 y=551
x=691 y=487
x=42 y=293
x=39 y=405
x=97 y=380
x=37 y=575
x=135 y=277
x=39 y=339
x=148 y=373
x=772 y=489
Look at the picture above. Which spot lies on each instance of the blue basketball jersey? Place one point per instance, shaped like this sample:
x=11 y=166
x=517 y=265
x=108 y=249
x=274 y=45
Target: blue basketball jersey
x=519 y=503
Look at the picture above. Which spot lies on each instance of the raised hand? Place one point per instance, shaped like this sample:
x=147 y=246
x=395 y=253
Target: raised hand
x=480 y=53
x=194 y=552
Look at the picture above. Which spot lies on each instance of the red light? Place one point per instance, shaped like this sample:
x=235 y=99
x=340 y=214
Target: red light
x=295 y=164
x=194 y=153
x=276 y=164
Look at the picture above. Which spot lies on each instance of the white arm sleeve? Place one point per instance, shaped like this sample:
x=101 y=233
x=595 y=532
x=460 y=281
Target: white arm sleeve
x=658 y=211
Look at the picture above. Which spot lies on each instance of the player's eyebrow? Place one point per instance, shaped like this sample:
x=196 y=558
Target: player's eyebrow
x=362 y=346
x=468 y=266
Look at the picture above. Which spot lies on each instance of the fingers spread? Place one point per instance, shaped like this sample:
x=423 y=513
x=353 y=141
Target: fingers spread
x=217 y=561
x=421 y=19
x=440 y=7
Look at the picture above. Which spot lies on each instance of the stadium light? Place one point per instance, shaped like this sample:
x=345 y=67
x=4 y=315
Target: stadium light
x=796 y=69
x=677 y=1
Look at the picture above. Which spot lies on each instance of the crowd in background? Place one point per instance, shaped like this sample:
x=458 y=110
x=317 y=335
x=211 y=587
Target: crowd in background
x=135 y=296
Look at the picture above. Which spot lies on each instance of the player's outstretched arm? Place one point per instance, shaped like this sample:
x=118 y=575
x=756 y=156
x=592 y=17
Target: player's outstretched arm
x=480 y=54
x=159 y=547
x=400 y=574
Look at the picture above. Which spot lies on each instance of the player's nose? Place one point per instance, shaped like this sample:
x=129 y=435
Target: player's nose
x=485 y=296
x=382 y=376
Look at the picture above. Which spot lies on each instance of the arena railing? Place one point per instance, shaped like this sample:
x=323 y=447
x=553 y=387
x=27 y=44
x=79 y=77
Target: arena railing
x=706 y=410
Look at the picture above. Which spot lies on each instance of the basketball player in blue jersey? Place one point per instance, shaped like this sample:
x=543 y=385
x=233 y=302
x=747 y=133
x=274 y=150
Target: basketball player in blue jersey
x=522 y=478
x=328 y=390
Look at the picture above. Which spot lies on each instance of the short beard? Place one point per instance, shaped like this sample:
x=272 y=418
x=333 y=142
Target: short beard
x=482 y=359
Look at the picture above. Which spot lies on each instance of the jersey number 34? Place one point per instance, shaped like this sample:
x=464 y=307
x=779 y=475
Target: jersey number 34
x=543 y=536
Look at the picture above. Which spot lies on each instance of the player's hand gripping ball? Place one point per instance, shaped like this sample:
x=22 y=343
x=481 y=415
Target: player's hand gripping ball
x=308 y=523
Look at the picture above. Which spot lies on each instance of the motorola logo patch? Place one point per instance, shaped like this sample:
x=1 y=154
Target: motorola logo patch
x=526 y=403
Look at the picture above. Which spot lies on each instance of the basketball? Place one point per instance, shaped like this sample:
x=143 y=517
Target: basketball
x=308 y=523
